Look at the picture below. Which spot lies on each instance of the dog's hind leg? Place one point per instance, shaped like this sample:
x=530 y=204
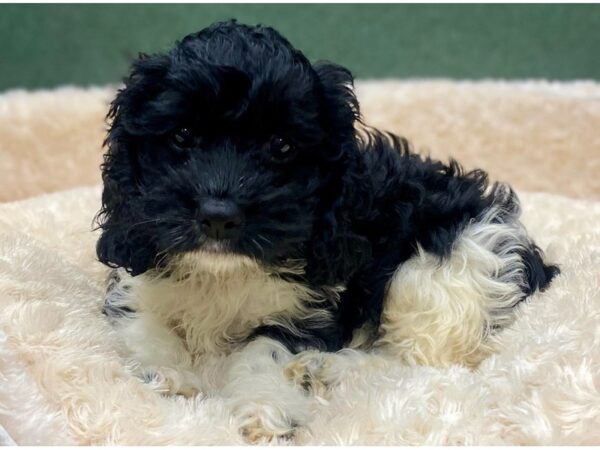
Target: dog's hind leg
x=440 y=310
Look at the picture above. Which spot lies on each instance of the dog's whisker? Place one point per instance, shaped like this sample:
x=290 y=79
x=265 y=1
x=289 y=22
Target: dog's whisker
x=262 y=250
x=260 y=236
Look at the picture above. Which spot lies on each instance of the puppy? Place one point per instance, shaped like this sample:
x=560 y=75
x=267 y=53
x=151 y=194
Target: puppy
x=255 y=224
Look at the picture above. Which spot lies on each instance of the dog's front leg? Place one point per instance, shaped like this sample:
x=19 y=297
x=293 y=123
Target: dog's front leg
x=158 y=354
x=265 y=404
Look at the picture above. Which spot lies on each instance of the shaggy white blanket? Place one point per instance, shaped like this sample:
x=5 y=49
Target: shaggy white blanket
x=61 y=381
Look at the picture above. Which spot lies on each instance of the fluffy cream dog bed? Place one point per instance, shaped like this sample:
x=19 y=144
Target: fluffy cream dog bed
x=61 y=381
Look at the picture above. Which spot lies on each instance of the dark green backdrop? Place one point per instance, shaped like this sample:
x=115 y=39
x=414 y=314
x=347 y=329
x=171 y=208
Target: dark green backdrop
x=48 y=45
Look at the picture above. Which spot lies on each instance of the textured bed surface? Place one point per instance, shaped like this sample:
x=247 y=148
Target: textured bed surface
x=61 y=381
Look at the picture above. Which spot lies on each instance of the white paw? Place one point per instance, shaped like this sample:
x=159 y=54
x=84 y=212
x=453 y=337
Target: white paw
x=266 y=424
x=312 y=371
x=168 y=381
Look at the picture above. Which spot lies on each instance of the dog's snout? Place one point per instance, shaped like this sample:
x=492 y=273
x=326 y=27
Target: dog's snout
x=221 y=219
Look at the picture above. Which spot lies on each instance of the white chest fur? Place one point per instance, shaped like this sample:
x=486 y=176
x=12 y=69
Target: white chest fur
x=212 y=304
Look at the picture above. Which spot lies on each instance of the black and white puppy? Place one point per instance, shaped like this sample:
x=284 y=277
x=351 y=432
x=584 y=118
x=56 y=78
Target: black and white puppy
x=251 y=214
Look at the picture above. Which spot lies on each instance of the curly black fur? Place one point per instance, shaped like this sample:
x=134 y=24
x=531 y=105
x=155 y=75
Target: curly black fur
x=353 y=205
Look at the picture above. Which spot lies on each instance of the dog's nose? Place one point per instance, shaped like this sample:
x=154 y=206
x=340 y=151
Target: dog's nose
x=221 y=219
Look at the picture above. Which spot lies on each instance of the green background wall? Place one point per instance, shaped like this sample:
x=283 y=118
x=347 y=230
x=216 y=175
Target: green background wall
x=48 y=45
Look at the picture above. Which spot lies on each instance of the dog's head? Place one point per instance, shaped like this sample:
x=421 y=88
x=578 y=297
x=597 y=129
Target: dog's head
x=231 y=145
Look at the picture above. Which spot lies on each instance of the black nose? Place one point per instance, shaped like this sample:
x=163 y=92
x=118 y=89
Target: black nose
x=220 y=219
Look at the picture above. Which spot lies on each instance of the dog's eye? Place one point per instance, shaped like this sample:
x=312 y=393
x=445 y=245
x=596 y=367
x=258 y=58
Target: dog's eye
x=183 y=138
x=281 y=151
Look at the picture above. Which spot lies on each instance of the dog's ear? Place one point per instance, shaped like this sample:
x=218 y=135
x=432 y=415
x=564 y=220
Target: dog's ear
x=134 y=105
x=121 y=244
x=143 y=105
x=117 y=246
x=340 y=105
x=336 y=251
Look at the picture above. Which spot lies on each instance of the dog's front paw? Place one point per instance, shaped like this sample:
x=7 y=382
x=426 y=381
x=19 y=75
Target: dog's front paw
x=265 y=424
x=312 y=371
x=168 y=381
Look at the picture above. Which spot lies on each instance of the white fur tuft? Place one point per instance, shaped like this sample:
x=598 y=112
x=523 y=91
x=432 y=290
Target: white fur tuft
x=439 y=311
x=213 y=302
